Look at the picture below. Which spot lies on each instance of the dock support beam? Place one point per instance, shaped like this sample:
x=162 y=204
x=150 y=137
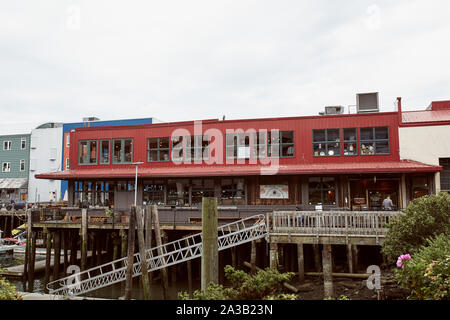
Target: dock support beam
x=131 y=239
x=316 y=249
x=56 y=254
x=164 y=276
x=142 y=253
x=84 y=239
x=327 y=272
x=32 y=260
x=273 y=254
x=148 y=233
x=48 y=256
x=350 y=258
x=210 y=247
x=301 y=263
x=253 y=257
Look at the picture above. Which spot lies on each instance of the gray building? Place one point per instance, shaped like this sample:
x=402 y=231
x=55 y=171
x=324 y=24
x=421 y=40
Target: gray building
x=14 y=167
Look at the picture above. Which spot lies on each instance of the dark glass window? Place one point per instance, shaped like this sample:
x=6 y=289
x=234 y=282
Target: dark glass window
x=177 y=148
x=104 y=151
x=158 y=149
x=238 y=145
x=326 y=143
x=122 y=150
x=232 y=191
x=154 y=192
x=281 y=144
x=201 y=188
x=374 y=140
x=322 y=190
x=259 y=144
x=197 y=148
x=350 y=142
x=445 y=174
x=178 y=192
x=87 y=152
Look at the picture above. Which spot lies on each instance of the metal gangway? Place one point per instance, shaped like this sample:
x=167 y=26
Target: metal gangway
x=171 y=253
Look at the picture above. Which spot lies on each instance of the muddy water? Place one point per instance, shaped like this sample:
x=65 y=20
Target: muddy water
x=111 y=292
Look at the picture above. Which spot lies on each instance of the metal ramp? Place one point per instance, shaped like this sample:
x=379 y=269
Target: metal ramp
x=230 y=235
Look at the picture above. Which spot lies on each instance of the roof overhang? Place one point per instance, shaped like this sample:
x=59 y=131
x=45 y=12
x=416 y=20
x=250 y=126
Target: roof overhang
x=403 y=166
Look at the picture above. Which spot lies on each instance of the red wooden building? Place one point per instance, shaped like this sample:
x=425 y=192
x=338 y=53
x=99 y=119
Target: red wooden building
x=345 y=161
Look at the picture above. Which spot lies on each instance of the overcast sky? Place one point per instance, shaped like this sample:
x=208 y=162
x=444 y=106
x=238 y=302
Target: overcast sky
x=63 y=60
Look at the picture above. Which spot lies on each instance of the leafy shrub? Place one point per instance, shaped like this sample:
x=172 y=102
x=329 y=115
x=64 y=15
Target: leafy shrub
x=8 y=290
x=424 y=218
x=427 y=274
x=265 y=284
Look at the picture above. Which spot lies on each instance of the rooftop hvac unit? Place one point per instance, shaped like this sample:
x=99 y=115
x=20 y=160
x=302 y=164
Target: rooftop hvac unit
x=333 y=110
x=367 y=102
x=90 y=119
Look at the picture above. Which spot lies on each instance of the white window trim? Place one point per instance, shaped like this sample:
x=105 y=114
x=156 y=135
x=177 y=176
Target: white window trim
x=68 y=140
x=9 y=143
x=20 y=165
x=8 y=167
x=21 y=143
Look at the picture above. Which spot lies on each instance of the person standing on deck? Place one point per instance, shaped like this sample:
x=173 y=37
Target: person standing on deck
x=387 y=203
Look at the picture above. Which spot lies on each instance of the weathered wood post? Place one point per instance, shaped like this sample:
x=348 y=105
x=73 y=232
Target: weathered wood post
x=148 y=234
x=301 y=263
x=73 y=247
x=27 y=248
x=130 y=260
x=165 y=280
x=56 y=254
x=48 y=257
x=327 y=272
x=316 y=249
x=210 y=247
x=189 y=273
x=350 y=258
x=253 y=257
x=84 y=239
x=142 y=252
x=355 y=258
x=32 y=261
x=65 y=245
x=273 y=254
x=233 y=257
x=124 y=247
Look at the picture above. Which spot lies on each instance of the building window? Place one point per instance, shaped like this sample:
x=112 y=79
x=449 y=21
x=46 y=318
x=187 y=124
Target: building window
x=104 y=151
x=374 y=140
x=237 y=145
x=178 y=192
x=123 y=150
x=281 y=144
x=158 y=149
x=232 y=191
x=350 y=142
x=6 y=167
x=154 y=192
x=23 y=144
x=177 y=148
x=22 y=165
x=67 y=164
x=445 y=174
x=87 y=152
x=93 y=193
x=201 y=188
x=68 y=140
x=326 y=143
x=259 y=149
x=322 y=191
x=197 y=148
x=7 y=145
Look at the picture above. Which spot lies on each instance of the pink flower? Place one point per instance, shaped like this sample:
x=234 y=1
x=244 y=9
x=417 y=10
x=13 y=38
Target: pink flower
x=401 y=259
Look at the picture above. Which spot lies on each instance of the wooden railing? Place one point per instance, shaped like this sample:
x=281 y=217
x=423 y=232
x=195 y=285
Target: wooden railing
x=330 y=223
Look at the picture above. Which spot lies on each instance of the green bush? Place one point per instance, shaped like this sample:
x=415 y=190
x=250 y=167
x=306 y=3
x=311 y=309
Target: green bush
x=424 y=218
x=7 y=290
x=427 y=274
x=265 y=284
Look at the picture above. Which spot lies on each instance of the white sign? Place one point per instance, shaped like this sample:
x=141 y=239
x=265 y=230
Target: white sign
x=274 y=191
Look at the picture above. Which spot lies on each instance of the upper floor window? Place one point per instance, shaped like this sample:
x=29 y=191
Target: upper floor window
x=281 y=144
x=68 y=140
x=22 y=165
x=67 y=164
x=6 y=167
x=326 y=142
x=7 y=145
x=197 y=147
x=374 y=140
x=259 y=149
x=105 y=151
x=23 y=144
x=237 y=145
x=350 y=142
x=87 y=152
x=177 y=148
x=122 y=150
x=158 y=149
x=445 y=174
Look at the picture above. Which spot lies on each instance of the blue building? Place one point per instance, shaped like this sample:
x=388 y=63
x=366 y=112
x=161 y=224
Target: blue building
x=91 y=122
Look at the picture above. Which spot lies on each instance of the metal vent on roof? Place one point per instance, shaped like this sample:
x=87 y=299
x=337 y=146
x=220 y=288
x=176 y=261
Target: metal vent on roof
x=367 y=102
x=332 y=110
x=90 y=119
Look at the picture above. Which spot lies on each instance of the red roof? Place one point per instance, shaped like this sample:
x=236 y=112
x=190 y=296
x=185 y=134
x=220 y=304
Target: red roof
x=402 y=166
x=426 y=116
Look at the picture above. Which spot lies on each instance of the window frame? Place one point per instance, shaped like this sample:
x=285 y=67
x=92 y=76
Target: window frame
x=88 y=151
x=350 y=141
x=8 y=166
x=374 y=141
x=122 y=153
x=158 y=149
x=280 y=144
x=9 y=143
x=256 y=147
x=22 y=141
x=180 y=146
x=100 y=153
x=322 y=191
x=326 y=142
x=235 y=145
x=189 y=147
x=22 y=161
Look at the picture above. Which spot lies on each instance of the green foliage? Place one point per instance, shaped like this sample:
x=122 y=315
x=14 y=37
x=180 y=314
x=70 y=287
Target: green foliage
x=424 y=218
x=265 y=284
x=7 y=290
x=427 y=274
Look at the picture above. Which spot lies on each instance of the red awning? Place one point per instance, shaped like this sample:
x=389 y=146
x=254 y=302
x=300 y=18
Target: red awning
x=404 y=166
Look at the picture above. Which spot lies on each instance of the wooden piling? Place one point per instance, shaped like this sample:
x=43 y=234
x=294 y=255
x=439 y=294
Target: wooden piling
x=130 y=255
x=65 y=245
x=84 y=239
x=210 y=247
x=233 y=257
x=165 y=281
x=253 y=257
x=32 y=261
x=350 y=258
x=56 y=254
x=73 y=247
x=142 y=252
x=327 y=272
x=317 y=262
x=189 y=273
x=148 y=234
x=301 y=263
x=27 y=250
x=273 y=254
x=48 y=256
